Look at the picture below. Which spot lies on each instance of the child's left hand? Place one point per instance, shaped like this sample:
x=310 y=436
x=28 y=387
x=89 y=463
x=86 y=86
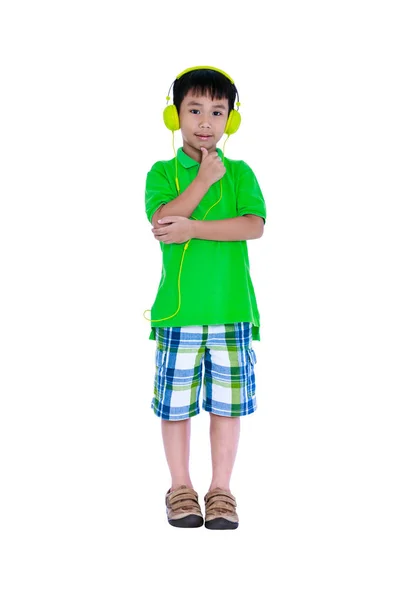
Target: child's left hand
x=173 y=230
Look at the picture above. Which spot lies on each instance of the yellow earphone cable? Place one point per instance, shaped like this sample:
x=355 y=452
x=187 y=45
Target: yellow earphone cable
x=176 y=164
x=188 y=242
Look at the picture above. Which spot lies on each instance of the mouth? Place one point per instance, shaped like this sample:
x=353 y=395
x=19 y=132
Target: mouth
x=203 y=138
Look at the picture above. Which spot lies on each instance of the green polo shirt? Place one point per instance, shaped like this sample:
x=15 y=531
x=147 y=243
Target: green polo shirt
x=216 y=286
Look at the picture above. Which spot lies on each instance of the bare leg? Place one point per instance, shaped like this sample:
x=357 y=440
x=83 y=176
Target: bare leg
x=224 y=437
x=176 y=438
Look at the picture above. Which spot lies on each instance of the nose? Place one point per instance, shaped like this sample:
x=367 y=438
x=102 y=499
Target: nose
x=204 y=122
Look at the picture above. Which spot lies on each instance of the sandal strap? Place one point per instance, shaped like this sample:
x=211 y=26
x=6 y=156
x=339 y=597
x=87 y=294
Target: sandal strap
x=182 y=499
x=220 y=501
x=220 y=495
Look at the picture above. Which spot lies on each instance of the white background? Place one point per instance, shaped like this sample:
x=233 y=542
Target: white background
x=83 y=473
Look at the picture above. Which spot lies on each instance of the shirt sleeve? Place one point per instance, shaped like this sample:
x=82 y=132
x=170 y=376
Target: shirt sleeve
x=158 y=190
x=250 y=200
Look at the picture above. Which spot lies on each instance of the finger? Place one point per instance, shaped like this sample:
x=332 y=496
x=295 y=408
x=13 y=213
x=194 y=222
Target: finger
x=204 y=153
x=166 y=220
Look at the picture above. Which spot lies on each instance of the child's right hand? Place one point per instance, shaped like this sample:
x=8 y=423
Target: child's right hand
x=211 y=168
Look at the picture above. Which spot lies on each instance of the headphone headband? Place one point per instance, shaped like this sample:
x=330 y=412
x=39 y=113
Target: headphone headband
x=210 y=68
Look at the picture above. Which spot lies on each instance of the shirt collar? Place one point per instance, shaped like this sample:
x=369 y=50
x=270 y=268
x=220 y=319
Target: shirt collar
x=187 y=162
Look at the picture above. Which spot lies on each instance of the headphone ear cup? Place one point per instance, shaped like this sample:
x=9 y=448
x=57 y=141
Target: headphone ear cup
x=233 y=122
x=171 y=118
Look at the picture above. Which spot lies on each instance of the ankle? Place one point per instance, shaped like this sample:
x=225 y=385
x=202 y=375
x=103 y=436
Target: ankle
x=178 y=482
x=223 y=485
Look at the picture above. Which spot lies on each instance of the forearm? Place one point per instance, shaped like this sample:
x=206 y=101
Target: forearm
x=184 y=204
x=248 y=227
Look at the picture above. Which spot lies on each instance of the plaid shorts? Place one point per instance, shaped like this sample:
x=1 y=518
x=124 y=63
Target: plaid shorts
x=229 y=379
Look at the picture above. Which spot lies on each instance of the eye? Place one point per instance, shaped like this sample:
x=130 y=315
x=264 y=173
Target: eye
x=217 y=113
x=195 y=111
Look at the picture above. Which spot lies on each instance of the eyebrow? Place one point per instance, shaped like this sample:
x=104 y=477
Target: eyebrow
x=194 y=103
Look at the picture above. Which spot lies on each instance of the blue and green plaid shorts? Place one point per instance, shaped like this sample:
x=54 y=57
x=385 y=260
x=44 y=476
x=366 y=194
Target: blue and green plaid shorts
x=229 y=379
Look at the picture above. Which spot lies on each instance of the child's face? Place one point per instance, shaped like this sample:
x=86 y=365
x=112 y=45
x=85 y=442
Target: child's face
x=202 y=122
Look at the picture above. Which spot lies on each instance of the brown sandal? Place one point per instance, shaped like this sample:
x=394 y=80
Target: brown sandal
x=183 y=508
x=220 y=510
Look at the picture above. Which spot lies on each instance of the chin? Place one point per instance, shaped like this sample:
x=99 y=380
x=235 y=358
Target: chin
x=203 y=142
x=206 y=143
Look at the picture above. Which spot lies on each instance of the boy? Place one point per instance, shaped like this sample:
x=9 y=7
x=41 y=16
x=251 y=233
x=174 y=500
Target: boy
x=203 y=208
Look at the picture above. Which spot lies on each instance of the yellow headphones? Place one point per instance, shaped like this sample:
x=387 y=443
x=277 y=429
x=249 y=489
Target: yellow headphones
x=171 y=117
x=171 y=120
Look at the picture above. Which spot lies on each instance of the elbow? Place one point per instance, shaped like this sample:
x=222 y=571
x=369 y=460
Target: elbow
x=156 y=216
x=258 y=226
x=259 y=230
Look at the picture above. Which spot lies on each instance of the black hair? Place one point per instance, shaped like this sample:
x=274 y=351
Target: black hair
x=204 y=82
